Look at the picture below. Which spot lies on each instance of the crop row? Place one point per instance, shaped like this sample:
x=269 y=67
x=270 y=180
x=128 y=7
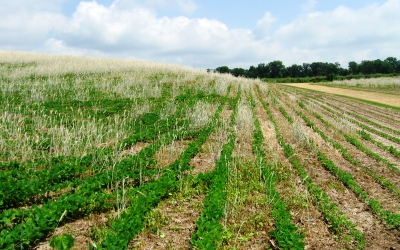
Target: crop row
x=146 y=196
x=359 y=145
x=19 y=186
x=333 y=216
x=209 y=230
x=365 y=135
x=22 y=227
x=391 y=219
x=362 y=125
x=286 y=233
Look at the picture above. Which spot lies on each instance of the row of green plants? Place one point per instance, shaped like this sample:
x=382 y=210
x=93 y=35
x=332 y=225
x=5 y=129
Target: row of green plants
x=374 y=155
x=366 y=108
x=23 y=227
x=147 y=196
x=136 y=167
x=392 y=219
x=286 y=233
x=355 y=142
x=209 y=230
x=368 y=137
x=364 y=119
x=362 y=125
x=337 y=221
x=30 y=189
x=363 y=133
x=30 y=185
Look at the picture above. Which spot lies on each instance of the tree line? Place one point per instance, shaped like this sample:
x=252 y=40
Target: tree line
x=276 y=69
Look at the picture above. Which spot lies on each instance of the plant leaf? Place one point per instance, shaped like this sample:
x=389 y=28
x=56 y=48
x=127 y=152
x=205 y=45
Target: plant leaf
x=62 y=242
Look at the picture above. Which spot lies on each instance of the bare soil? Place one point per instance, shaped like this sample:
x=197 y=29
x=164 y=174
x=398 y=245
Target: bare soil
x=182 y=215
x=168 y=154
x=79 y=229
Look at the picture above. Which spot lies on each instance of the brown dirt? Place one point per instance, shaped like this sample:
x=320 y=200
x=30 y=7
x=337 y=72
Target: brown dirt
x=383 y=140
x=205 y=160
x=388 y=128
x=182 y=215
x=387 y=113
x=226 y=114
x=371 y=146
x=375 y=117
x=135 y=148
x=79 y=229
x=210 y=151
x=391 y=100
x=168 y=154
x=234 y=90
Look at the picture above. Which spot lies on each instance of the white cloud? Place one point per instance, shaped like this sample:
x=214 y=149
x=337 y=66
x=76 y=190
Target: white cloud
x=133 y=29
x=345 y=32
x=264 y=26
x=26 y=24
x=139 y=32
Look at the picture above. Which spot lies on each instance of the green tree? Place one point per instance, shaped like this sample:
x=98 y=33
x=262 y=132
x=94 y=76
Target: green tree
x=394 y=62
x=277 y=69
x=222 y=69
x=353 y=68
x=238 y=72
x=263 y=70
x=295 y=71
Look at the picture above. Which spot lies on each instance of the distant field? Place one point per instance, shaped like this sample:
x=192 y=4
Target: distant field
x=387 y=85
x=124 y=154
x=365 y=93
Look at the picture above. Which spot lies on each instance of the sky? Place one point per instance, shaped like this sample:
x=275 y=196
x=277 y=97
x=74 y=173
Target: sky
x=205 y=33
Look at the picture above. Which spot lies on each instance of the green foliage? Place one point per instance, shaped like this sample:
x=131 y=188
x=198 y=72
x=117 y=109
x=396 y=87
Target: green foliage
x=317 y=71
x=98 y=233
x=377 y=157
x=62 y=242
x=131 y=221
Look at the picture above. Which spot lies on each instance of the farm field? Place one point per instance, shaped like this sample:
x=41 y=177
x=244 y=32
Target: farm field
x=391 y=96
x=387 y=85
x=124 y=154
